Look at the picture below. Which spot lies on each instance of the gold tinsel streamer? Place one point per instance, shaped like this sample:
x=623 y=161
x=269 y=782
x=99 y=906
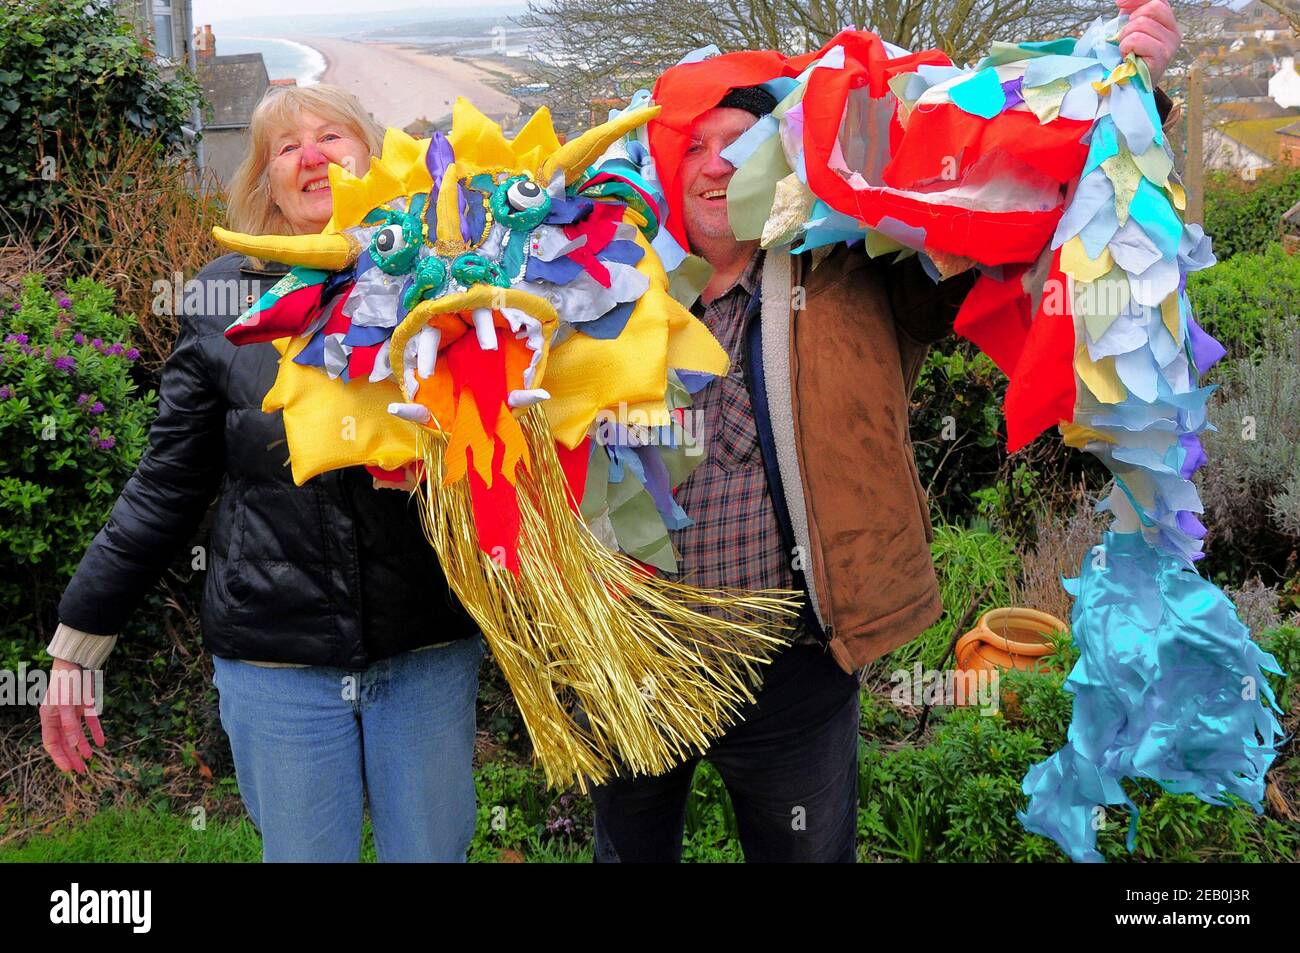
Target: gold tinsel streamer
x=655 y=677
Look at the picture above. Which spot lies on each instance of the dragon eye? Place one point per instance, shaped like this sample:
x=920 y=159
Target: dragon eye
x=525 y=194
x=390 y=240
x=520 y=203
x=396 y=246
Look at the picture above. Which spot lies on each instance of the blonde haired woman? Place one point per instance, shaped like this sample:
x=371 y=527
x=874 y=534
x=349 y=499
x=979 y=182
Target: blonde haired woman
x=345 y=669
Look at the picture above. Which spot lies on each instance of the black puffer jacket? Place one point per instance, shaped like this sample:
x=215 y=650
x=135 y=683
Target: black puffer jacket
x=334 y=572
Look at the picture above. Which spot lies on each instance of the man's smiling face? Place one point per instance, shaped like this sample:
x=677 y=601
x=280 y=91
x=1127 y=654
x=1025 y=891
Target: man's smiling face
x=705 y=174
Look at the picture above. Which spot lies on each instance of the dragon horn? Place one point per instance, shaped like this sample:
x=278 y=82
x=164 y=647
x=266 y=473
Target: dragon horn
x=329 y=252
x=575 y=155
x=448 y=208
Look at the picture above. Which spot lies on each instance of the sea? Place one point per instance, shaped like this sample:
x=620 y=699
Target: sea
x=284 y=58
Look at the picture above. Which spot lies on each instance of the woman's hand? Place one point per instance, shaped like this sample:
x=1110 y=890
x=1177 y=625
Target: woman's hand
x=1152 y=33
x=69 y=699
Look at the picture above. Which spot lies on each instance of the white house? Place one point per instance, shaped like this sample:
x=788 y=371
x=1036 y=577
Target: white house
x=1284 y=86
x=1222 y=151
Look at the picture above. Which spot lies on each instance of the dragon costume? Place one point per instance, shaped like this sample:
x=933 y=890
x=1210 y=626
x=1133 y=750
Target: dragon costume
x=477 y=303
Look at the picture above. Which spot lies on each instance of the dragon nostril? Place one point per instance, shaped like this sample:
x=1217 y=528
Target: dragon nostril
x=473 y=269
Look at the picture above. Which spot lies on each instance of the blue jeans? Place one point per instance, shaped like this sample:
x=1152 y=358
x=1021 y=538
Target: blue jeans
x=310 y=744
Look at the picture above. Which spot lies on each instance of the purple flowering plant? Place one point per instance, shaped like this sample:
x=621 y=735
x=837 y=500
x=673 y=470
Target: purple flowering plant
x=74 y=422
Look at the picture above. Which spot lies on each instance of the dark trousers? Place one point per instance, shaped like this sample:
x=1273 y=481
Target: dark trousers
x=790 y=767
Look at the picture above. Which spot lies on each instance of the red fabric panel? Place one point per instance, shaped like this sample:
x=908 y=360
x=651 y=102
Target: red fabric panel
x=574 y=463
x=937 y=132
x=287 y=317
x=387 y=476
x=361 y=361
x=995 y=317
x=599 y=228
x=1041 y=392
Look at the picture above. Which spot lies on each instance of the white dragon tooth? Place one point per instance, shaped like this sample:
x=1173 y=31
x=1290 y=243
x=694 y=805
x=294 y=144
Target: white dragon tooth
x=526 y=398
x=483 y=327
x=416 y=413
x=517 y=318
x=412 y=383
x=427 y=350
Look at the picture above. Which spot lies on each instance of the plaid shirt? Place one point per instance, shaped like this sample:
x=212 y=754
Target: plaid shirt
x=734 y=540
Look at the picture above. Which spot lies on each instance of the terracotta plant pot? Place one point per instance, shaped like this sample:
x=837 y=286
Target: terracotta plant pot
x=1004 y=639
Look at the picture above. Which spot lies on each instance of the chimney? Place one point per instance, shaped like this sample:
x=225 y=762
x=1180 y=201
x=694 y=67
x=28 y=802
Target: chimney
x=205 y=44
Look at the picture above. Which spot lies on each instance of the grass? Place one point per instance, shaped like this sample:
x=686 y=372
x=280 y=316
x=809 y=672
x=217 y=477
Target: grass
x=148 y=833
x=141 y=834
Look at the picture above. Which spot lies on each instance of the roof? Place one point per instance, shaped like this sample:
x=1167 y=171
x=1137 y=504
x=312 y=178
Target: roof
x=1236 y=87
x=1226 y=112
x=233 y=85
x=1258 y=135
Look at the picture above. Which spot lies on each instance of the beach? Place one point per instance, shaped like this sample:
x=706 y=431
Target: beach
x=399 y=84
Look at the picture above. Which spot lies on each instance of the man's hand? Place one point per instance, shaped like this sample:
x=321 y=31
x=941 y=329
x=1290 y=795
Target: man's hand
x=1152 y=33
x=62 y=712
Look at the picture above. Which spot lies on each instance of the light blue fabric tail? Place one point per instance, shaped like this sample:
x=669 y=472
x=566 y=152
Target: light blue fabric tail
x=1169 y=686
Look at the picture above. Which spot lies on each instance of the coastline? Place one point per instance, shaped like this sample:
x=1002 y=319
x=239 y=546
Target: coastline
x=400 y=85
x=302 y=53
x=319 y=66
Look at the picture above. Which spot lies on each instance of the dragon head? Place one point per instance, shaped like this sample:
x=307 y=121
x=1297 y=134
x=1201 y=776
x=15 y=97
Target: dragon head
x=463 y=279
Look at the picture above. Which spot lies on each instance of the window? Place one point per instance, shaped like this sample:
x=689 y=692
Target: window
x=162 y=28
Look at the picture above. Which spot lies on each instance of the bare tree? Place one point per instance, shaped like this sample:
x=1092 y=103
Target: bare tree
x=591 y=49
x=1289 y=9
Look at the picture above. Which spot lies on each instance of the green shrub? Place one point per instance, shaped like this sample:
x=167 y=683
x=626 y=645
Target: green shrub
x=1180 y=829
x=1251 y=484
x=954 y=800
x=1283 y=643
x=1244 y=218
x=519 y=815
x=712 y=832
x=966 y=560
x=72 y=75
x=73 y=425
x=1042 y=706
x=956 y=426
x=1242 y=300
x=959 y=437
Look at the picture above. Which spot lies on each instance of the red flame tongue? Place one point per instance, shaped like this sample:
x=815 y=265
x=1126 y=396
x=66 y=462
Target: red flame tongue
x=496 y=511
